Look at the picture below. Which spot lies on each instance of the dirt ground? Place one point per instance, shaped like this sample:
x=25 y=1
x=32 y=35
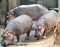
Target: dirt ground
x=48 y=42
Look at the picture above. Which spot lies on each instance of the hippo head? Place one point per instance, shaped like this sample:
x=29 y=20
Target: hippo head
x=39 y=30
x=7 y=37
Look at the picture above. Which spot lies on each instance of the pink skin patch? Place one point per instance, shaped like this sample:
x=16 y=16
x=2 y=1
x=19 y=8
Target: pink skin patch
x=42 y=28
x=9 y=36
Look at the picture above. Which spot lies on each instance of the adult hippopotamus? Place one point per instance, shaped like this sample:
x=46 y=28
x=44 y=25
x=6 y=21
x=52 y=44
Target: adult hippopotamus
x=33 y=10
x=45 y=23
x=16 y=27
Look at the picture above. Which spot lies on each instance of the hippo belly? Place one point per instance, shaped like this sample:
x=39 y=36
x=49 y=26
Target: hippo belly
x=22 y=23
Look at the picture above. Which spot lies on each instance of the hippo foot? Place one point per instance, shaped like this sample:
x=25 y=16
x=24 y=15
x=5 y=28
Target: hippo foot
x=17 y=41
x=27 y=38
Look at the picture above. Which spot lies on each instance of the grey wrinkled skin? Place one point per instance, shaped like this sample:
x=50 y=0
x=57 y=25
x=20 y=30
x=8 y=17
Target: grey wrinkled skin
x=33 y=10
x=22 y=24
x=49 y=20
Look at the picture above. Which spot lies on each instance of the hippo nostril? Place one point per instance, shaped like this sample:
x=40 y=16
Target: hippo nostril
x=37 y=36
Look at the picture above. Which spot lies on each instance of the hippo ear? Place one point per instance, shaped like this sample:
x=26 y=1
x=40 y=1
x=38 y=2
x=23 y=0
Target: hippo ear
x=9 y=31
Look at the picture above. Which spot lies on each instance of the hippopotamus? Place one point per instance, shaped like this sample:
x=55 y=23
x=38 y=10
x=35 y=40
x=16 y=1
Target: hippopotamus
x=46 y=22
x=17 y=27
x=32 y=10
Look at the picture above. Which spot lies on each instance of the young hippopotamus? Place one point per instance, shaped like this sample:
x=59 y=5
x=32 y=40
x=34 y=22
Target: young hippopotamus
x=33 y=10
x=45 y=23
x=17 y=27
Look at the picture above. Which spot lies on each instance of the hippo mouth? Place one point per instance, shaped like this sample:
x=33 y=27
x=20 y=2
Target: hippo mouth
x=3 y=43
x=6 y=43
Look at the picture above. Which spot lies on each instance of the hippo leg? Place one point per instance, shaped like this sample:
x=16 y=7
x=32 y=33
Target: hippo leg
x=18 y=38
x=27 y=37
x=44 y=35
x=53 y=29
x=28 y=33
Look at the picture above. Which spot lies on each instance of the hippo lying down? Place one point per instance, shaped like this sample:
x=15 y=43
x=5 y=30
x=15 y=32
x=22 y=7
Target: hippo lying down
x=33 y=10
x=16 y=27
x=45 y=23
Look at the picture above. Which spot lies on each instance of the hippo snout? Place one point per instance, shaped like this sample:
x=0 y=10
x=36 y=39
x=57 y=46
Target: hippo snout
x=3 y=43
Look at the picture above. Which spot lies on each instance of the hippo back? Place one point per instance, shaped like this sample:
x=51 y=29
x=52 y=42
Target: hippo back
x=33 y=10
x=23 y=23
